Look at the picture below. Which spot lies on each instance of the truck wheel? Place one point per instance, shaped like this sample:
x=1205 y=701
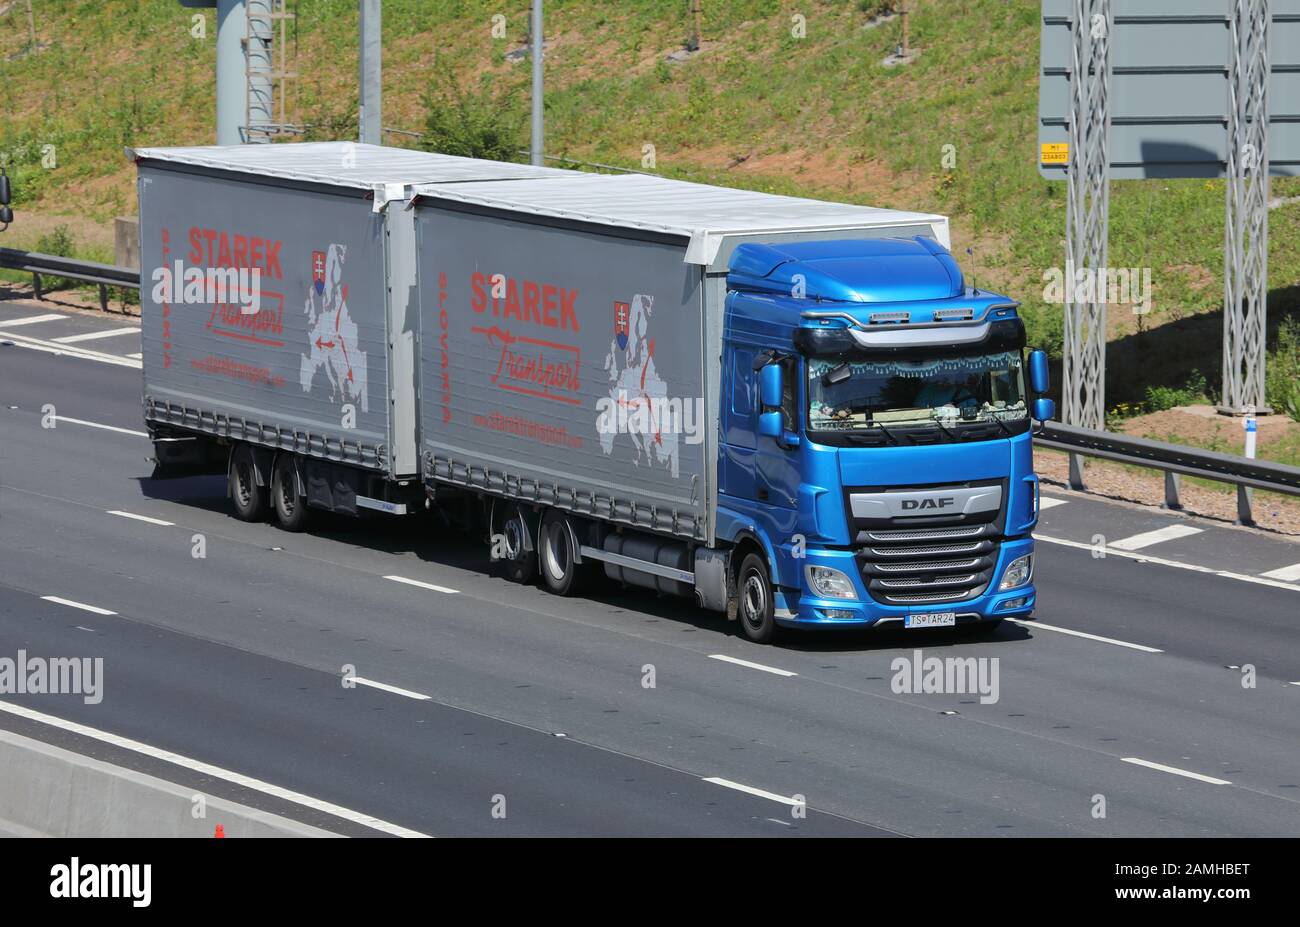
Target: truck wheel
x=291 y=511
x=249 y=498
x=756 y=609
x=557 y=556
x=520 y=562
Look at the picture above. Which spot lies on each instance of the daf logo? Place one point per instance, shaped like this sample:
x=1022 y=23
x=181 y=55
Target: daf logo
x=940 y=503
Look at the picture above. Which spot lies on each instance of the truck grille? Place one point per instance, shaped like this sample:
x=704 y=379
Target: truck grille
x=945 y=559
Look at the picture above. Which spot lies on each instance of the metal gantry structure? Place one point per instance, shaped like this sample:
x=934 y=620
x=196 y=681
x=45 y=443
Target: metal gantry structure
x=1245 y=244
x=1088 y=205
x=537 y=152
x=267 y=69
x=1087 y=219
x=370 y=112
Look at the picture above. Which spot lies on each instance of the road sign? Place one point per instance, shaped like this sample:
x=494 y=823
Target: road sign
x=1171 y=63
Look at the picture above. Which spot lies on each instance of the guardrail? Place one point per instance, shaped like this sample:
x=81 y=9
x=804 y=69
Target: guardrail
x=1175 y=460
x=37 y=264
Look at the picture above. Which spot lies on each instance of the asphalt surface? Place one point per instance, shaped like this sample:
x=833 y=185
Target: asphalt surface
x=544 y=706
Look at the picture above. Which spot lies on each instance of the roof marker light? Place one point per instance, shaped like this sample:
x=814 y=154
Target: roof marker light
x=954 y=315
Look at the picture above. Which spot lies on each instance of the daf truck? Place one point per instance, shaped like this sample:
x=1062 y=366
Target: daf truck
x=794 y=412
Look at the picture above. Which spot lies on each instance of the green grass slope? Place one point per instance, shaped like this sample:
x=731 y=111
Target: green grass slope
x=786 y=97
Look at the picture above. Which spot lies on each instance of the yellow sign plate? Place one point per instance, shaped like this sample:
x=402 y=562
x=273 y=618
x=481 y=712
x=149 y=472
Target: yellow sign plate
x=1055 y=153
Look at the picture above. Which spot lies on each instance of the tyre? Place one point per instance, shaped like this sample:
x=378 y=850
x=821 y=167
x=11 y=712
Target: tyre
x=557 y=556
x=756 y=608
x=291 y=510
x=248 y=497
x=519 y=553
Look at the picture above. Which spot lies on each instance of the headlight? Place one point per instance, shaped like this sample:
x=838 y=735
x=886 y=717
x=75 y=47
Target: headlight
x=829 y=584
x=1018 y=572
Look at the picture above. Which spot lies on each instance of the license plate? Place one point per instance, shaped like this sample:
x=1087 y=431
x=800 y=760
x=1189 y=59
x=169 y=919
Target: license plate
x=931 y=620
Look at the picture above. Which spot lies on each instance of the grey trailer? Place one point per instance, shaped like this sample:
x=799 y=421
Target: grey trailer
x=572 y=333
x=279 y=325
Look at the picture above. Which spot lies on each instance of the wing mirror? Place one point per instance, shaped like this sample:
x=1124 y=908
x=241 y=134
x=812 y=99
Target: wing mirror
x=1040 y=378
x=771 y=421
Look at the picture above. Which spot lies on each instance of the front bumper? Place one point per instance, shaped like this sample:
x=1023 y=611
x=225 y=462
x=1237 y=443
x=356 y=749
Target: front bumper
x=805 y=609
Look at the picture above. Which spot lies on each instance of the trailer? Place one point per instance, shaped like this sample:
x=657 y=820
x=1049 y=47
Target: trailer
x=279 y=328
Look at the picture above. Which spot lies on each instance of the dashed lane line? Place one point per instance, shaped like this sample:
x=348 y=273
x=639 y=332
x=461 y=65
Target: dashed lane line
x=79 y=421
x=1160 y=561
x=143 y=518
x=393 y=689
x=32 y=319
x=1092 y=637
x=1287 y=574
x=1158 y=536
x=431 y=586
x=748 y=665
x=58 y=600
x=95 y=336
x=750 y=790
x=1174 y=770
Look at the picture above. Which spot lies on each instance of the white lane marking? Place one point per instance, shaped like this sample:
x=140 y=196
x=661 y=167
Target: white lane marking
x=416 y=582
x=393 y=689
x=32 y=319
x=135 y=356
x=749 y=789
x=758 y=666
x=1295 y=683
x=1175 y=770
x=144 y=518
x=67 y=350
x=1047 y=502
x=1177 y=564
x=1289 y=574
x=1091 y=637
x=1159 y=536
x=93 y=336
x=207 y=769
x=81 y=605
x=78 y=421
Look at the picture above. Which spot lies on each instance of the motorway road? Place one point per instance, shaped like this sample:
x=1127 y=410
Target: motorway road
x=496 y=691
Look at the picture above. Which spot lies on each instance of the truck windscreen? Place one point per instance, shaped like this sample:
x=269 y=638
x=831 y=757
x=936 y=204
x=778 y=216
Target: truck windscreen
x=850 y=396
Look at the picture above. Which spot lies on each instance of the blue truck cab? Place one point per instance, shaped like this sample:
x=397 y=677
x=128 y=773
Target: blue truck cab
x=876 y=417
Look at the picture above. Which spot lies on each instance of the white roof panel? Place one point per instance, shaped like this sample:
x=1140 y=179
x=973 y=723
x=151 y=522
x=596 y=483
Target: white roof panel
x=345 y=164
x=704 y=214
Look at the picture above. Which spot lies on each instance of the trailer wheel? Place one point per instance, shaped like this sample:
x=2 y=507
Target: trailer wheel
x=557 y=555
x=249 y=498
x=756 y=608
x=520 y=551
x=291 y=511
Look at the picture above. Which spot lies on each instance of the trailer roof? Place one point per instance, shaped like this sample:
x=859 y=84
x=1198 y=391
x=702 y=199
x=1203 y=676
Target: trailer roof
x=344 y=164
x=704 y=214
